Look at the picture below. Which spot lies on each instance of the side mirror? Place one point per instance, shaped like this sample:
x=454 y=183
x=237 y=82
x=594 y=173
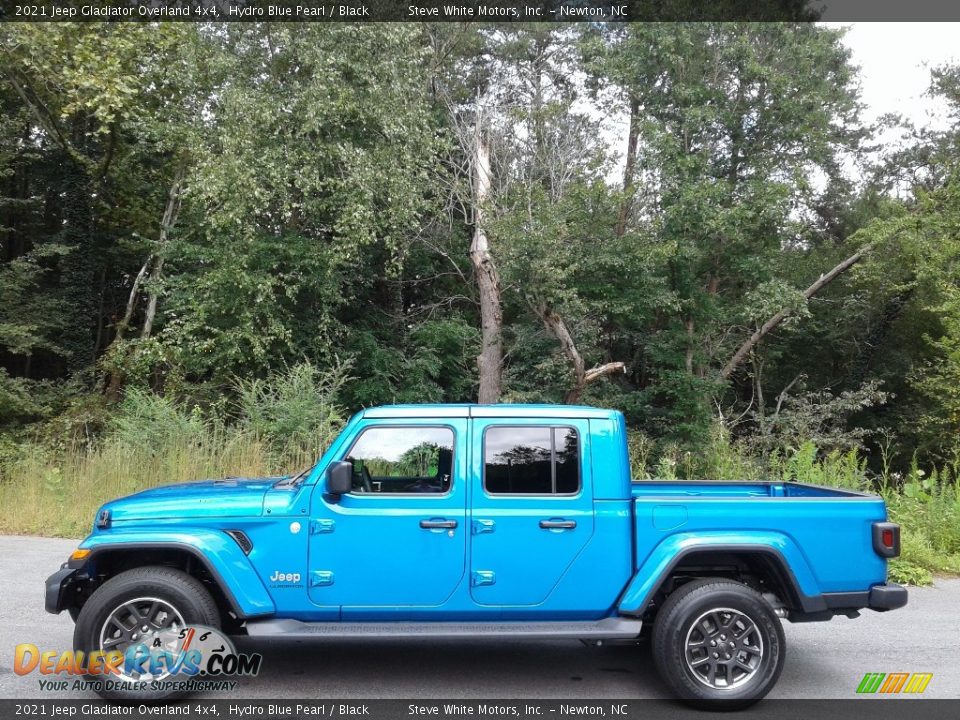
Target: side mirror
x=339 y=478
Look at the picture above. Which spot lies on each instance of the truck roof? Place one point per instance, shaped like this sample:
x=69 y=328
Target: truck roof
x=500 y=411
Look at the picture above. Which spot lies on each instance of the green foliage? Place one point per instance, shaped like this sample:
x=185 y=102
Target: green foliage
x=835 y=469
x=293 y=410
x=640 y=448
x=929 y=510
x=291 y=413
x=724 y=457
x=731 y=121
x=89 y=69
x=144 y=362
x=444 y=349
x=319 y=217
x=938 y=381
x=265 y=276
x=907 y=573
x=154 y=440
x=29 y=321
x=432 y=362
x=154 y=423
x=17 y=403
x=820 y=419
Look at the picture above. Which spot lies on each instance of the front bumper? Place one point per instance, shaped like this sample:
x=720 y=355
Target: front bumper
x=889 y=596
x=59 y=586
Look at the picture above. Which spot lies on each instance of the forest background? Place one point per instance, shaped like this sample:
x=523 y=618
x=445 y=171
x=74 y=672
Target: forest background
x=216 y=242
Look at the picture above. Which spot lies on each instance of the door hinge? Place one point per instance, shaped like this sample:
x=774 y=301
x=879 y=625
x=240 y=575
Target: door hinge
x=318 y=527
x=319 y=578
x=481 y=527
x=483 y=577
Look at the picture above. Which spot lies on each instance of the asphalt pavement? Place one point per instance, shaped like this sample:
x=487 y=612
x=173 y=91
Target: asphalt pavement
x=824 y=660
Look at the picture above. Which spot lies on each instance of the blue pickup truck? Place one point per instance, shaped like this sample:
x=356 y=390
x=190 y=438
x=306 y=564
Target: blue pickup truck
x=478 y=521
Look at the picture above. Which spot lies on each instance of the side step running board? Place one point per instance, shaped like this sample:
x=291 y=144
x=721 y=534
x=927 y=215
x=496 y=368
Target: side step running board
x=606 y=629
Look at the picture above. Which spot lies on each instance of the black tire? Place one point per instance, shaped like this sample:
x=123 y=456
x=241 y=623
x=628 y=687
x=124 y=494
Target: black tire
x=700 y=613
x=185 y=594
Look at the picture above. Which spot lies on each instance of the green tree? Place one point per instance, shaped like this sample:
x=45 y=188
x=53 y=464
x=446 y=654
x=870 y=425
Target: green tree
x=308 y=183
x=728 y=127
x=80 y=180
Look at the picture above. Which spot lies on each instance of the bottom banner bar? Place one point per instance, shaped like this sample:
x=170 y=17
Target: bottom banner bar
x=868 y=709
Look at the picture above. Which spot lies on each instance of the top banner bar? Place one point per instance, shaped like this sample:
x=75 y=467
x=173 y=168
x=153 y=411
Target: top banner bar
x=481 y=11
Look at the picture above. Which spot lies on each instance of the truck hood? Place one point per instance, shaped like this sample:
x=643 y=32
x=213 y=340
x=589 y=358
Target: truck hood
x=233 y=497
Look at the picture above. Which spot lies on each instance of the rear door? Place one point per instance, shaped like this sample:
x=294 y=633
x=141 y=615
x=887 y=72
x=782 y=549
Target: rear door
x=532 y=507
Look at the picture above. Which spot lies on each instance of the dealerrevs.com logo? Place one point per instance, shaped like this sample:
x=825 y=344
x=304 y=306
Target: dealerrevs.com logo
x=893 y=683
x=181 y=659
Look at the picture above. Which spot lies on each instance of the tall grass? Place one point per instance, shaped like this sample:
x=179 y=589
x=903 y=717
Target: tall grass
x=46 y=494
x=152 y=440
x=928 y=508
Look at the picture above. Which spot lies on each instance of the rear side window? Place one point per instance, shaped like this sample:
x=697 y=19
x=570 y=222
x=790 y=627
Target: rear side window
x=531 y=460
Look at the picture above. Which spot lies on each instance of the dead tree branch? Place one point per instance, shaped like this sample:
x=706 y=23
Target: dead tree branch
x=771 y=324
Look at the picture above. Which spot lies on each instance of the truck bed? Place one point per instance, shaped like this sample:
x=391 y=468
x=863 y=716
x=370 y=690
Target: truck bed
x=823 y=534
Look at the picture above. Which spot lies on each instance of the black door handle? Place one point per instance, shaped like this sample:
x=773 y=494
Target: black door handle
x=558 y=524
x=437 y=524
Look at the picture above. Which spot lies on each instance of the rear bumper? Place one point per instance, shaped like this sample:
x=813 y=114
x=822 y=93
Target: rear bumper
x=58 y=585
x=887 y=597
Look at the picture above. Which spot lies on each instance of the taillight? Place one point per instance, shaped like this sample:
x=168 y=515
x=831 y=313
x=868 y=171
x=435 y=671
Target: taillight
x=886 y=539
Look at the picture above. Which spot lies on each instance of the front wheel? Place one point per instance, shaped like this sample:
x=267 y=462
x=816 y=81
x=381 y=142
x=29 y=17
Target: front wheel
x=718 y=644
x=145 y=605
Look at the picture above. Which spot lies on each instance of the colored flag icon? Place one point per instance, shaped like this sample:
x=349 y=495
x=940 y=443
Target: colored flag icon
x=892 y=683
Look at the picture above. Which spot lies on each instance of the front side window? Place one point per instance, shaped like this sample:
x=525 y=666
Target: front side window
x=402 y=460
x=531 y=461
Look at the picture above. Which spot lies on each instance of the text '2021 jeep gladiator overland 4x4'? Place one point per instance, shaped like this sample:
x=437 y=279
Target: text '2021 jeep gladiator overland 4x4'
x=470 y=521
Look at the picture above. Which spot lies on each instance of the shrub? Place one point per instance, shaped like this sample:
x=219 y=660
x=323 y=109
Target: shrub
x=293 y=412
x=155 y=423
x=835 y=469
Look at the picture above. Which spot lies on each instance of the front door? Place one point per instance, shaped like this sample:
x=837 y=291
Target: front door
x=532 y=508
x=398 y=539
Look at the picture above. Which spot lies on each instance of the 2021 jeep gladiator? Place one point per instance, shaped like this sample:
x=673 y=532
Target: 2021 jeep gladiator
x=467 y=521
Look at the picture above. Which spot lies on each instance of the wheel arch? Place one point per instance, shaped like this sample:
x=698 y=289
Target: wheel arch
x=777 y=567
x=224 y=570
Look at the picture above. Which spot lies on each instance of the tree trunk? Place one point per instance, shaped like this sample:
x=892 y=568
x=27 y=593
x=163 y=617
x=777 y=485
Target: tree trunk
x=115 y=381
x=132 y=299
x=154 y=265
x=151 y=313
x=490 y=359
x=744 y=350
x=170 y=214
x=581 y=376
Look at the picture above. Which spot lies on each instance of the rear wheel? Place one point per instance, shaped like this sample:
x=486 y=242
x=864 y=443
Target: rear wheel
x=718 y=644
x=144 y=605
